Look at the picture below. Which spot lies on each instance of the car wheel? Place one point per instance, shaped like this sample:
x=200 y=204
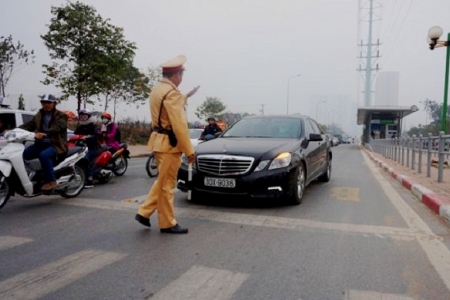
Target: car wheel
x=326 y=176
x=298 y=186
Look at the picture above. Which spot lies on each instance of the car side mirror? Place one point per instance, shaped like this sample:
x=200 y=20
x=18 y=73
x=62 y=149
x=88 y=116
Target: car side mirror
x=314 y=137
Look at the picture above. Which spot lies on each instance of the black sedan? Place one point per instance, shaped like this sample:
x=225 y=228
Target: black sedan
x=261 y=156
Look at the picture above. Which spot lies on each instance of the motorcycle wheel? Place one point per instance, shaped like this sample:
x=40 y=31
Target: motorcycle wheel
x=121 y=166
x=151 y=167
x=4 y=192
x=80 y=179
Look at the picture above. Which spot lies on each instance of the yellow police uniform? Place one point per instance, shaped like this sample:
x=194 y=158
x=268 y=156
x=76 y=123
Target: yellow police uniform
x=168 y=158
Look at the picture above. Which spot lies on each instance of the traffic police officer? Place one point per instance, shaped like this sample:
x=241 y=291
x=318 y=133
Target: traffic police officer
x=169 y=139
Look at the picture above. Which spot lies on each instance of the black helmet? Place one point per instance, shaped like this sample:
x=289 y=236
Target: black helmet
x=48 y=98
x=211 y=118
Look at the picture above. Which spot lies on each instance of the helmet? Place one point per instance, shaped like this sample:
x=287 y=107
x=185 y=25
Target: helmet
x=84 y=112
x=106 y=115
x=103 y=159
x=85 y=120
x=48 y=98
x=211 y=118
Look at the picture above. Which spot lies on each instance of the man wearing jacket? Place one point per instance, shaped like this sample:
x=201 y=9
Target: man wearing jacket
x=210 y=130
x=168 y=118
x=50 y=126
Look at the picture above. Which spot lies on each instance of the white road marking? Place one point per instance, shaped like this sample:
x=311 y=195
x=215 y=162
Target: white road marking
x=436 y=251
x=202 y=283
x=368 y=295
x=50 y=277
x=12 y=241
x=256 y=220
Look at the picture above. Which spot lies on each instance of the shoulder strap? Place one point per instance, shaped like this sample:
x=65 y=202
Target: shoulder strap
x=160 y=108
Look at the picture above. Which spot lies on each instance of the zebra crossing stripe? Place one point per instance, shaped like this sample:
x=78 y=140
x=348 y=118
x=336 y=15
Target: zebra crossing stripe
x=202 y=283
x=12 y=241
x=50 y=277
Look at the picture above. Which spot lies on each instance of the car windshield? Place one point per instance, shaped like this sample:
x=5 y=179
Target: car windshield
x=194 y=134
x=272 y=127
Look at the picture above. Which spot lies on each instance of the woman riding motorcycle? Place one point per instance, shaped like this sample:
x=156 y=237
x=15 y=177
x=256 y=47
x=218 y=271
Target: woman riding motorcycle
x=110 y=132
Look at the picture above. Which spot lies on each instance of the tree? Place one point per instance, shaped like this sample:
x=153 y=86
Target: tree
x=12 y=57
x=91 y=53
x=212 y=106
x=21 y=105
x=434 y=111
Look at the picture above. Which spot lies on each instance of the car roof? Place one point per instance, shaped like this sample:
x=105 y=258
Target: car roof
x=8 y=110
x=295 y=116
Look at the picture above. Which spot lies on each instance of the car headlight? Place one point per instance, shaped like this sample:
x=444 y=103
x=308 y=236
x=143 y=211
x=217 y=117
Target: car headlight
x=281 y=161
x=185 y=162
x=262 y=165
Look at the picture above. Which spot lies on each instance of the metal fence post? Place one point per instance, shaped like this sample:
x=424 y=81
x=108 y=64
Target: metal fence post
x=413 y=151
x=420 y=153
x=407 y=151
x=403 y=151
x=430 y=147
x=441 y=157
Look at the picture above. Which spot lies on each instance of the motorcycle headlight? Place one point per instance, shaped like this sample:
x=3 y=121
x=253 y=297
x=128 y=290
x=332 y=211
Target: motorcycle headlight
x=281 y=161
x=262 y=165
x=10 y=135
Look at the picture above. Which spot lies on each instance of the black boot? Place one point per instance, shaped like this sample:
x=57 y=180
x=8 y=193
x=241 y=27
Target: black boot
x=175 y=229
x=144 y=221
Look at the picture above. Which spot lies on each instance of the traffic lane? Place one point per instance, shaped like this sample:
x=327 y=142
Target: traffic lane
x=279 y=263
x=135 y=181
x=353 y=195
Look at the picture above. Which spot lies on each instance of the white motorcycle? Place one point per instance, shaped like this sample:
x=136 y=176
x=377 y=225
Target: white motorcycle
x=25 y=177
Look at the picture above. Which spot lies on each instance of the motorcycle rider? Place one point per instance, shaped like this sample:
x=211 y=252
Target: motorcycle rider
x=90 y=131
x=109 y=131
x=50 y=126
x=210 y=130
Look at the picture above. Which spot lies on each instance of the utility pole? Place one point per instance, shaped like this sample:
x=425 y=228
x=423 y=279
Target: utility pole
x=262 y=109
x=368 y=49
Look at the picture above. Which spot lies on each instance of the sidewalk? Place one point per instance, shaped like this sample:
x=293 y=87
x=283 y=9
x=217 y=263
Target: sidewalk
x=138 y=150
x=434 y=194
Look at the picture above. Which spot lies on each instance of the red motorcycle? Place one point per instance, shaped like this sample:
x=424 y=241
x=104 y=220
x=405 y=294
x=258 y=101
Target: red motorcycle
x=108 y=160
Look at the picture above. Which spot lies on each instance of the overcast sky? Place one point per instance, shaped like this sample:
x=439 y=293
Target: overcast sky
x=244 y=52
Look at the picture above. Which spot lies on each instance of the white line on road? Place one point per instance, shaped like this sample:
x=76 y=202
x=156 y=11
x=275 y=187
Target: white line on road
x=202 y=283
x=368 y=295
x=12 y=241
x=256 y=220
x=436 y=251
x=50 y=277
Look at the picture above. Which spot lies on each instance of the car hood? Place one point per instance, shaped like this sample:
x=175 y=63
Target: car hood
x=255 y=147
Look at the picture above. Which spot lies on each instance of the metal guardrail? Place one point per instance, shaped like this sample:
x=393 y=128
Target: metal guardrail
x=413 y=150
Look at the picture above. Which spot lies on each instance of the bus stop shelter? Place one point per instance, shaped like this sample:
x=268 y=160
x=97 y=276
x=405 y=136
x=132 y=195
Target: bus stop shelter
x=383 y=121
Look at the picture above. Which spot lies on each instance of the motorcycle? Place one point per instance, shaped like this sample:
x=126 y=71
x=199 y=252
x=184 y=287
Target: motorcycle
x=24 y=177
x=150 y=165
x=107 y=161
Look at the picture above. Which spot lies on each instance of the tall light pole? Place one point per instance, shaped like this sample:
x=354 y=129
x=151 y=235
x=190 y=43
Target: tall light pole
x=317 y=109
x=332 y=120
x=287 y=101
x=434 y=33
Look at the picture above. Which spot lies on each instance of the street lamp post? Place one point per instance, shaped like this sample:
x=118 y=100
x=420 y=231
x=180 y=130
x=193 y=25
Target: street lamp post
x=317 y=109
x=287 y=101
x=434 y=33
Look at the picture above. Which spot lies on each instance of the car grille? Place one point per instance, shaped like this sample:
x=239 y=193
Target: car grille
x=224 y=164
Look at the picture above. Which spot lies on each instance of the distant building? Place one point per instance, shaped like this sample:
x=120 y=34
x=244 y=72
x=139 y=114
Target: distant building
x=386 y=89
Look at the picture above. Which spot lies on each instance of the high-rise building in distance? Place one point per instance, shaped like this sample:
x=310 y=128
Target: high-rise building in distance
x=386 y=89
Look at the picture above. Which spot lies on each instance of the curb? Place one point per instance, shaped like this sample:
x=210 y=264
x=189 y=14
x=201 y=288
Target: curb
x=139 y=155
x=436 y=202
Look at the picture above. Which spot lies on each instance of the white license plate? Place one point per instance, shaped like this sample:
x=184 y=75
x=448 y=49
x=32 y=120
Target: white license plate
x=220 y=182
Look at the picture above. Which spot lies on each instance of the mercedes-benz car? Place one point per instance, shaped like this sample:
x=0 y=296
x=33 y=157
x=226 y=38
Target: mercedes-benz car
x=261 y=156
